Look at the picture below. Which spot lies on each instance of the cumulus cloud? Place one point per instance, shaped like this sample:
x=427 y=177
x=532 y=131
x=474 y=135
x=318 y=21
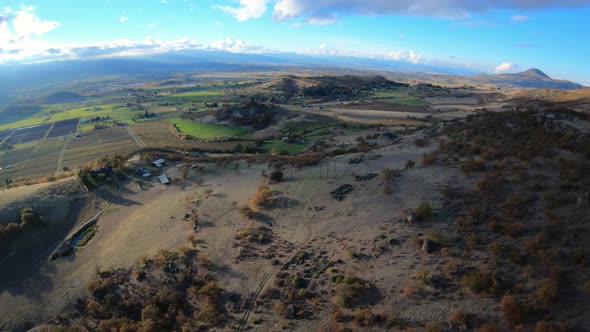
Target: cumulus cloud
x=36 y=51
x=519 y=18
x=21 y=24
x=321 y=10
x=234 y=46
x=507 y=67
x=405 y=55
x=248 y=9
x=124 y=19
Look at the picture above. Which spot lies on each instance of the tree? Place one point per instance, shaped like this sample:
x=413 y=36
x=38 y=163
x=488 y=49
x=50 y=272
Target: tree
x=276 y=176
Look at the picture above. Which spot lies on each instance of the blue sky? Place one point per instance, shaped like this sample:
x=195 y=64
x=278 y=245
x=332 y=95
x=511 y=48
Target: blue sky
x=488 y=36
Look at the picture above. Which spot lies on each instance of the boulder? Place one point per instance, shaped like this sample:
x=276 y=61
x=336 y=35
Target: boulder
x=427 y=246
x=410 y=216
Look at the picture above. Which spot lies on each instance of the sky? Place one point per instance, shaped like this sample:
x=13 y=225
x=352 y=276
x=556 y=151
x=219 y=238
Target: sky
x=489 y=36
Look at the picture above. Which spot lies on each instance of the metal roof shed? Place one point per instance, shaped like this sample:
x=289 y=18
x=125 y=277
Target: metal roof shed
x=163 y=179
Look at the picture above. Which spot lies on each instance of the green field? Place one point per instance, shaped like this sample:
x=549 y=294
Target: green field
x=278 y=146
x=206 y=130
x=398 y=96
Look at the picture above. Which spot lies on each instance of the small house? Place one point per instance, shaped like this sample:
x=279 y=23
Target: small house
x=163 y=179
x=159 y=162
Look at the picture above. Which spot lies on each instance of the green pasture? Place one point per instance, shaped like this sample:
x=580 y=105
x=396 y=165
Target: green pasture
x=206 y=130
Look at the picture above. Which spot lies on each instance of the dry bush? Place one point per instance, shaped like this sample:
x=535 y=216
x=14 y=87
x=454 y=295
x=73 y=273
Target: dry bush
x=351 y=291
x=247 y=212
x=474 y=165
x=547 y=292
x=411 y=289
x=424 y=211
x=435 y=236
x=545 y=326
x=428 y=159
x=263 y=198
x=495 y=249
x=424 y=277
x=514 y=229
x=480 y=282
x=433 y=327
x=512 y=311
x=489 y=185
x=458 y=319
x=450 y=269
x=338 y=315
x=472 y=241
x=366 y=317
x=489 y=327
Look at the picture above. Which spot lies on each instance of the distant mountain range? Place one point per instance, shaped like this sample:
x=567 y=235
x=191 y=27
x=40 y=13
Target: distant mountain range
x=532 y=78
x=16 y=78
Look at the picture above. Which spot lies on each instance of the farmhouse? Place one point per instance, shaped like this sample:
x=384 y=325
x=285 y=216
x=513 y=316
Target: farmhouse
x=163 y=179
x=159 y=162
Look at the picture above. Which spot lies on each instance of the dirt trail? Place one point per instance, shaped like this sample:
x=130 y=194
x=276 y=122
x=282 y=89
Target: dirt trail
x=136 y=138
x=60 y=158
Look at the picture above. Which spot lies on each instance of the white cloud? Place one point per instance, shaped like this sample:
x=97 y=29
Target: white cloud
x=124 y=19
x=20 y=25
x=322 y=10
x=249 y=9
x=519 y=18
x=507 y=67
x=153 y=24
x=234 y=46
x=405 y=55
x=217 y=24
x=165 y=2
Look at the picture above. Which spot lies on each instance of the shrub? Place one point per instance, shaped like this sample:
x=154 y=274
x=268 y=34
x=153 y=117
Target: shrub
x=458 y=319
x=547 y=293
x=424 y=211
x=350 y=291
x=428 y=159
x=409 y=164
x=433 y=327
x=366 y=317
x=472 y=166
x=247 y=212
x=276 y=176
x=545 y=326
x=480 y=282
x=262 y=198
x=489 y=327
x=451 y=268
x=424 y=277
x=512 y=310
x=411 y=289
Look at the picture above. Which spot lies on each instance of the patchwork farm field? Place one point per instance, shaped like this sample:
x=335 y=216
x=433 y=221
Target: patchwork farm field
x=95 y=144
x=65 y=127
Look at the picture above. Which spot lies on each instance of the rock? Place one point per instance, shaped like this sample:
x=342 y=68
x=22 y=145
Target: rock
x=410 y=216
x=427 y=246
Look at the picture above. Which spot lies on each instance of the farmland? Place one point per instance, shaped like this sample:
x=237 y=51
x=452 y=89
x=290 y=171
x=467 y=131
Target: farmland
x=206 y=130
